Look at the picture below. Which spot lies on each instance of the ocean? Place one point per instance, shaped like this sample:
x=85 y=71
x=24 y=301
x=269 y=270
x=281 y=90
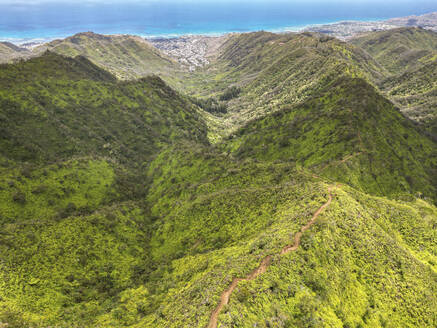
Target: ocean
x=27 y=20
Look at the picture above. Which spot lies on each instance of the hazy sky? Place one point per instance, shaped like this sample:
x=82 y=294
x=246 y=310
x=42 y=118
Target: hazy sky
x=36 y=2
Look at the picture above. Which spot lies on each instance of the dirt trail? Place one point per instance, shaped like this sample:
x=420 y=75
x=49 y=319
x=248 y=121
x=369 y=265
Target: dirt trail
x=265 y=263
x=344 y=160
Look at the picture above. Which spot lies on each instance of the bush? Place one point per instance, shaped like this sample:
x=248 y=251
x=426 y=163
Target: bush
x=67 y=211
x=211 y=105
x=19 y=197
x=231 y=93
x=39 y=189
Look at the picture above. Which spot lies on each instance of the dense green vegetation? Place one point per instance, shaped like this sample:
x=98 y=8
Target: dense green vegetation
x=400 y=49
x=410 y=54
x=125 y=56
x=219 y=217
x=349 y=133
x=55 y=107
x=267 y=71
x=116 y=211
x=211 y=105
x=74 y=224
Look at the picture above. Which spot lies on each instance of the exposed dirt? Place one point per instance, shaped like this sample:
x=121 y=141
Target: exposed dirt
x=265 y=263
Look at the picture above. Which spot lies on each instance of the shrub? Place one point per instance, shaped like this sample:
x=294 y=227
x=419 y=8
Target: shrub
x=231 y=93
x=19 y=197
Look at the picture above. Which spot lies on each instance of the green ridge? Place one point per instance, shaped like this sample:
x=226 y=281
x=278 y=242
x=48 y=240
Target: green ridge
x=349 y=118
x=125 y=56
x=55 y=107
x=115 y=211
x=410 y=54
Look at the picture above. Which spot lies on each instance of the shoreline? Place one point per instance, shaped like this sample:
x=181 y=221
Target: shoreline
x=360 y=26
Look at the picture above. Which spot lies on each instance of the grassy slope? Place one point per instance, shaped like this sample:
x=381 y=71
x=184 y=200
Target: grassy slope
x=410 y=54
x=415 y=92
x=125 y=56
x=74 y=144
x=9 y=52
x=348 y=118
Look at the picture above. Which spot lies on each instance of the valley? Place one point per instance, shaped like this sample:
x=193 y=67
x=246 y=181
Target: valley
x=252 y=180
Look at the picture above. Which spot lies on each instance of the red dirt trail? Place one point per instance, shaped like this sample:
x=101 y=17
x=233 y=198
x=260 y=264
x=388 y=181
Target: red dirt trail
x=265 y=263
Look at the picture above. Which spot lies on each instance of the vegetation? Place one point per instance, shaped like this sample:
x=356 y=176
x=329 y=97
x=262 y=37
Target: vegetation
x=400 y=49
x=410 y=55
x=348 y=133
x=230 y=93
x=116 y=211
x=10 y=52
x=74 y=224
x=261 y=72
x=54 y=107
x=125 y=56
x=211 y=105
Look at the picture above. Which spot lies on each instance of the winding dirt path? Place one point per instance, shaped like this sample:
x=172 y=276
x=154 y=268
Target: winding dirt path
x=265 y=263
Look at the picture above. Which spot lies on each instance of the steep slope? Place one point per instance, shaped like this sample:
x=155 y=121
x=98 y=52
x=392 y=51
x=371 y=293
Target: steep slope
x=74 y=227
x=217 y=219
x=125 y=56
x=116 y=212
x=410 y=54
x=415 y=92
x=400 y=49
x=350 y=133
x=273 y=70
x=55 y=107
x=225 y=220
x=212 y=219
x=9 y=52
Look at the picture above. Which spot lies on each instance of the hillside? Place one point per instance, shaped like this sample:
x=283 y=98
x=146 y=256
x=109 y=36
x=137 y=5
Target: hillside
x=56 y=107
x=315 y=206
x=410 y=54
x=235 y=214
x=74 y=145
x=9 y=52
x=273 y=70
x=400 y=49
x=210 y=219
x=415 y=92
x=125 y=56
x=348 y=133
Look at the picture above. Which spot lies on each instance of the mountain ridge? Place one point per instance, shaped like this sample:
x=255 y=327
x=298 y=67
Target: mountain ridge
x=141 y=202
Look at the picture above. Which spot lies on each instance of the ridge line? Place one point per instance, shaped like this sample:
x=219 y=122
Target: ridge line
x=265 y=263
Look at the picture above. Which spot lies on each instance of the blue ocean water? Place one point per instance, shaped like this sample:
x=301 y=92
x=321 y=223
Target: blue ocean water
x=29 y=20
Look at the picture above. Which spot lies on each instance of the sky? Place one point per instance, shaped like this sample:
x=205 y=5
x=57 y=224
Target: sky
x=36 y=2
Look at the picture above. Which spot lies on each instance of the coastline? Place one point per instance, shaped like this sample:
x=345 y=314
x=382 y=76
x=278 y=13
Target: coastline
x=369 y=24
